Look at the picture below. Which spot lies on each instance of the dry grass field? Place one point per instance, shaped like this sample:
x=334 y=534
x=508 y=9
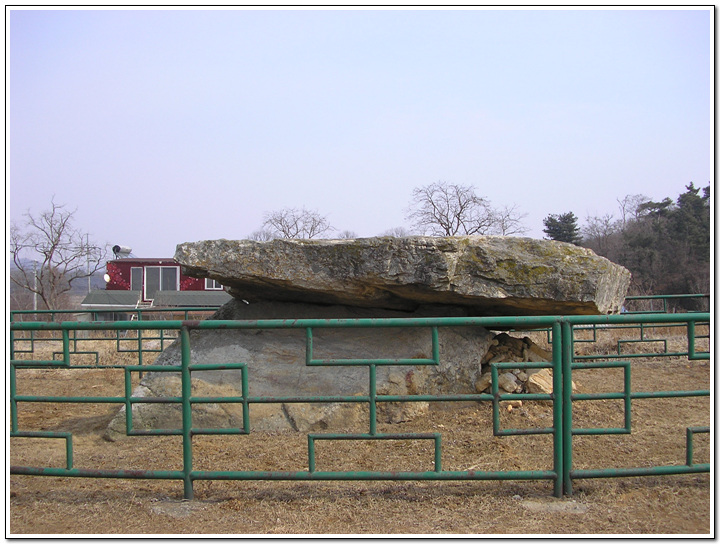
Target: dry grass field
x=654 y=505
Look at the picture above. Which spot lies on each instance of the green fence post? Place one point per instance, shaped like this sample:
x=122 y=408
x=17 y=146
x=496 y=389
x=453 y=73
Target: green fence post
x=66 y=346
x=128 y=404
x=373 y=397
x=308 y=346
x=558 y=399
x=186 y=412
x=691 y=339
x=140 y=342
x=567 y=353
x=13 y=402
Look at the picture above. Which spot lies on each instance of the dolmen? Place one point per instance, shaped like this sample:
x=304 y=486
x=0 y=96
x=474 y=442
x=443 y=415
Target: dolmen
x=384 y=277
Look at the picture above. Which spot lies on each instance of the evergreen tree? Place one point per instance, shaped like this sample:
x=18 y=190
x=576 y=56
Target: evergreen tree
x=689 y=225
x=562 y=227
x=665 y=244
x=688 y=233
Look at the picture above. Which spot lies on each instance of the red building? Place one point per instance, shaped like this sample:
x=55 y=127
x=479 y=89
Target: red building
x=133 y=282
x=153 y=276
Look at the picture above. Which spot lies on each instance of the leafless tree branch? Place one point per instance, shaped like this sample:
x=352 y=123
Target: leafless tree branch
x=49 y=254
x=444 y=209
x=294 y=223
x=507 y=221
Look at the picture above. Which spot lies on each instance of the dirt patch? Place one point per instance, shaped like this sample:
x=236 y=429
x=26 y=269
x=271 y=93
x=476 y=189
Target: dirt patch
x=648 y=505
x=550 y=506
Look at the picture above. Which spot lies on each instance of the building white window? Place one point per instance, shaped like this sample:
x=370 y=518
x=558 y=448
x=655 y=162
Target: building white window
x=211 y=285
x=161 y=278
x=136 y=278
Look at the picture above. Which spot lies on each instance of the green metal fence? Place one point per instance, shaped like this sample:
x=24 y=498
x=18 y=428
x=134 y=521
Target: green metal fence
x=562 y=332
x=139 y=342
x=131 y=314
x=649 y=304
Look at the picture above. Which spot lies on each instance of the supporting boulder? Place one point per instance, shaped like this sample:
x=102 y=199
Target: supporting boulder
x=276 y=362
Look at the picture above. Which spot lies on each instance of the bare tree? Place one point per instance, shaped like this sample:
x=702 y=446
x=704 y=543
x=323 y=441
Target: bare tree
x=294 y=223
x=20 y=299
x=347 y=235
x=261 y=236
x=507 y=221
x=397 y=232
x=445 y=209
x=50 y=254
x=599 y=232
x=629 y=208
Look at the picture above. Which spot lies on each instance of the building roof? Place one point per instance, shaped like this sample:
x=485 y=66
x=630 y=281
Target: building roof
x=128 y=299
x=103 y=298
x=191 y=298
x=138 y=260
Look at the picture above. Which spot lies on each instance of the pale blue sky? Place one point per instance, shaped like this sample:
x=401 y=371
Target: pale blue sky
x=168 y=126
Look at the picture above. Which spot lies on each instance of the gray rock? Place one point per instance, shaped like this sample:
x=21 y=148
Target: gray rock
x=276 y=368
x=540 y=381
x=484 y=382
x=488 y=275
x=508 y=382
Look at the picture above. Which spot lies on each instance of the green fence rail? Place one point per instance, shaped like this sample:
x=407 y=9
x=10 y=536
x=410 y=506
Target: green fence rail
x=655 y=304
x=131 y=313
x=666 y=303
x=564 y=361
x=139 y=342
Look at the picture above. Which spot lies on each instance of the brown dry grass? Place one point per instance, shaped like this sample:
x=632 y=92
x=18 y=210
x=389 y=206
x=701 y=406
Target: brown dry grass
x=649 y=505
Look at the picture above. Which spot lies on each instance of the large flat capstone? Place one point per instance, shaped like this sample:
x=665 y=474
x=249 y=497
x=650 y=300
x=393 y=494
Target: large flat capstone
x=487 y=275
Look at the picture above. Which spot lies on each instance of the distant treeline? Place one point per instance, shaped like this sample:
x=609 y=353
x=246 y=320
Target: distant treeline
x=666 y=244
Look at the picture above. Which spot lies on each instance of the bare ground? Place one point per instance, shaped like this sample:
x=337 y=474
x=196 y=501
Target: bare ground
x=645 y=505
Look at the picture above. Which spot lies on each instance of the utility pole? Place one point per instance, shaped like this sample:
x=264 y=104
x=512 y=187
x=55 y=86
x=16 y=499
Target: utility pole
x=87 y=246
x=35 y=286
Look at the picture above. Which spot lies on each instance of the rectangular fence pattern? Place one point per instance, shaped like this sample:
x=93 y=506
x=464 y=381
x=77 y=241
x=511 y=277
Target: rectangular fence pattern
x=563 y=333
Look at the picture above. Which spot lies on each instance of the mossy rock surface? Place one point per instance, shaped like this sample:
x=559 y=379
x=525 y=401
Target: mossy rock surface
x=486 y=275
